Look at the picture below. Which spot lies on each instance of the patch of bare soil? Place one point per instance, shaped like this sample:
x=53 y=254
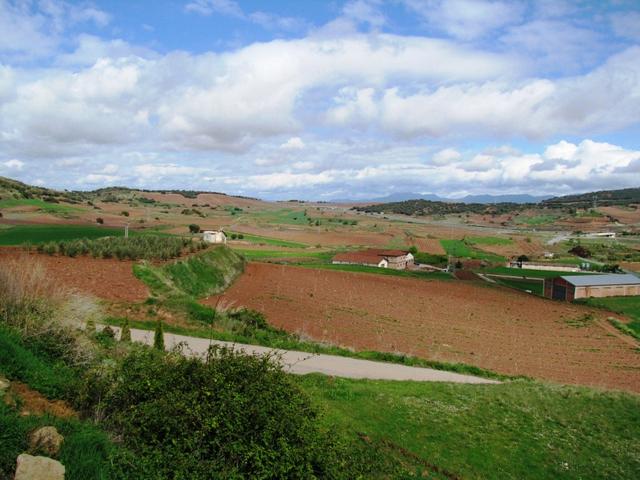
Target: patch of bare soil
x=109 y=279
x=32 y=402
x=470 y=322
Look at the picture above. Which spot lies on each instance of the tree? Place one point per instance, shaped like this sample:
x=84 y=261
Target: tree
x=99 y=220
x=125 y=334
x=523 y=258
x=194 y=228
x=158 y=336
x=413 y=249
x=580 y=251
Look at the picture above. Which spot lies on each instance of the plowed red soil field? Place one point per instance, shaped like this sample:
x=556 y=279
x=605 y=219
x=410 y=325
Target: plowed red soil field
x=109 y=279
x=453 y=321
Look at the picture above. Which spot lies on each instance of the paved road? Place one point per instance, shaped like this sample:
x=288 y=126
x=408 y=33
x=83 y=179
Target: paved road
x=304 y=362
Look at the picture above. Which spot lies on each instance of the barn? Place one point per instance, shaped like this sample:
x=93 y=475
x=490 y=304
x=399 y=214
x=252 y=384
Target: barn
x=373 y=257
x=571 y=287
x=214 y=236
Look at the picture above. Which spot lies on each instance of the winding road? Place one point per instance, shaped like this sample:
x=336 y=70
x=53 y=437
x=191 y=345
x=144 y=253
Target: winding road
x=302 y=363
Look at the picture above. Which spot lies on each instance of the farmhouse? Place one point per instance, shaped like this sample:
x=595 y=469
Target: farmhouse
x=373 y=257
x=571 y=287
x=214 y=236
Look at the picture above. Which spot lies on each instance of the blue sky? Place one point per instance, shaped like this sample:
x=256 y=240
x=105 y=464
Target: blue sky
x=322 y=100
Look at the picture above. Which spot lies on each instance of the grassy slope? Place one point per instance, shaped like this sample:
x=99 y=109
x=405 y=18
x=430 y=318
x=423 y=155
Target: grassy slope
x=47 y=207
x=197 y=276
x=85 y=449
x=515 y=430
x=629 y=306
x=460 y=249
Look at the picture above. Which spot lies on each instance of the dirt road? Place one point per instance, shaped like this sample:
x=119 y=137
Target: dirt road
x=303 y=362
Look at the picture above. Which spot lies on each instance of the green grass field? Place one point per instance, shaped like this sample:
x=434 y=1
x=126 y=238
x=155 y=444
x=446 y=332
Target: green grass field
x=537 y=220
x=276 y=242
x=524 y=272
x=47 y=207
x=257 y=255
x=629 y=306
x=460 y=249
x=516 y=430
x=488 y=240
x=21 y=234
x=283 y=216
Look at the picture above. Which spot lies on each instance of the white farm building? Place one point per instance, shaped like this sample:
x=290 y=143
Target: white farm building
x=214 y=236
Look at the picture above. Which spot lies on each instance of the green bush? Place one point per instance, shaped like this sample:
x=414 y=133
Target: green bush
x=125 y=333
x=158 y=337
x=231 y=416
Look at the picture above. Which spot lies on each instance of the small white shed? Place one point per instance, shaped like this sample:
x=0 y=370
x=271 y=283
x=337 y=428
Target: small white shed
x=214 y=236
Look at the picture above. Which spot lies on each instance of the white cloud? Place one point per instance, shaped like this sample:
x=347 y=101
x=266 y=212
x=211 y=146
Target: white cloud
x=94 y=179
x=294 y=143
x=35 y=29
x=446 y=156
x=467 y=19
x=288 y=180
x=209 y=7
x=13 y=164
x=606 y=98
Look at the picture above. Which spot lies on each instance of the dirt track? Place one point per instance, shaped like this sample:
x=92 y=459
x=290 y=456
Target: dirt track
x=499 y=329
x=109 y=279
x=303 y=362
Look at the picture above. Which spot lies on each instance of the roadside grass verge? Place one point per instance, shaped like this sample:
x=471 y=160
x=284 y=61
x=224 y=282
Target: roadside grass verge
x=629 y=306
x=515 y=430
x=276 y=242
x=280 y=339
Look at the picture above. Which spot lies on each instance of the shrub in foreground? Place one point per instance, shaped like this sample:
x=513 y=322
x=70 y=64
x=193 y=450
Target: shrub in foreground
x=231 y=416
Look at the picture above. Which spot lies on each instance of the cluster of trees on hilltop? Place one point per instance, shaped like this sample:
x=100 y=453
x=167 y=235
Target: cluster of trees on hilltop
x=428 y=207
x=625 y=196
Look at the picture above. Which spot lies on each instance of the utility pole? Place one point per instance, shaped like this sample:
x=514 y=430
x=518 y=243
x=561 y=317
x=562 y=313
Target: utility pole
x=126 y=230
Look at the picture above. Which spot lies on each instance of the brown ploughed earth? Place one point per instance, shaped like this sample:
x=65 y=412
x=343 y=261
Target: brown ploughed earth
x=109 y=279
x=452 y=321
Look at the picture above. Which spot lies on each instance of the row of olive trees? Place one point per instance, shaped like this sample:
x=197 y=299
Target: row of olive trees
x=148 y=247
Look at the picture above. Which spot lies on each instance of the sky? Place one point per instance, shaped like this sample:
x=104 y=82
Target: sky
x=322 y=100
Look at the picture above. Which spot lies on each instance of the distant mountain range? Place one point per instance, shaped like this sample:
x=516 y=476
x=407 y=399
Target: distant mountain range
x=507 y=198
